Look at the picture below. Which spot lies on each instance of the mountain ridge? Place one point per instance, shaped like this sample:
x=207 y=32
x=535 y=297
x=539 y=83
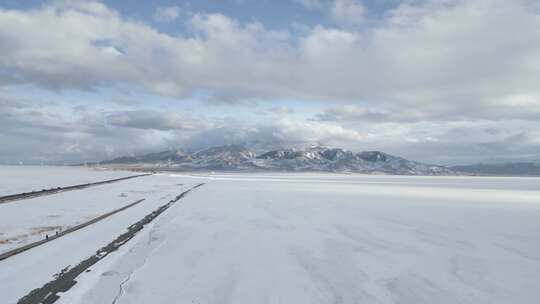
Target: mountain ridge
x=313 y=159
x=517 y=168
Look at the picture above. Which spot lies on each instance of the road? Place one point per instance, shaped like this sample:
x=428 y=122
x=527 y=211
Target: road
x=24 y=248
x=26 y=195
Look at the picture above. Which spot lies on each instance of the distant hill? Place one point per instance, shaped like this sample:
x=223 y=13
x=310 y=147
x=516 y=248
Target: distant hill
x=319 y=158
x=510 y=169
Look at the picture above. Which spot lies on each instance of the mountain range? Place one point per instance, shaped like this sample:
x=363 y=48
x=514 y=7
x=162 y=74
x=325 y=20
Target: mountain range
x=316 y=159
x=502 y=169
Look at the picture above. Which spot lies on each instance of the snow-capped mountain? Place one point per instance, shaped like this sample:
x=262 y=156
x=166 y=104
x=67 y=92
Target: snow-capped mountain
x=339 y=160
x=233 y=157
x=317 y=158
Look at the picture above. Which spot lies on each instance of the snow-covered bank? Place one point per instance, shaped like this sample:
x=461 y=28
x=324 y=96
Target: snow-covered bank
x=248 y=239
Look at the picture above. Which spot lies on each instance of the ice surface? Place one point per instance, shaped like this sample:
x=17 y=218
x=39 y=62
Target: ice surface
x=309 y=238
x=17 y=179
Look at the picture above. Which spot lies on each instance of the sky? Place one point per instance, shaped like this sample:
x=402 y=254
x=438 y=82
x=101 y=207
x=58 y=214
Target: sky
x=439 y=81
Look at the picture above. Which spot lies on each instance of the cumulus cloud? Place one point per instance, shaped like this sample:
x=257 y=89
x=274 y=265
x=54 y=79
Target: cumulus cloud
x=401 y=83
x=464 y=53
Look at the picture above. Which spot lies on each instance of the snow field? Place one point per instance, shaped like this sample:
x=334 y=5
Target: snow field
x=246 y=240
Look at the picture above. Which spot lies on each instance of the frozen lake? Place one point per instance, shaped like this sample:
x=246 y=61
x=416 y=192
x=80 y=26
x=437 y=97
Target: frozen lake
x=307 y=238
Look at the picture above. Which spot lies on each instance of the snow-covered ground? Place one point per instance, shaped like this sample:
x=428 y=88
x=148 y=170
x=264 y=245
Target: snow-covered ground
x=308 y=238
x=31 y=269
x=29 y=220
x=18 y=179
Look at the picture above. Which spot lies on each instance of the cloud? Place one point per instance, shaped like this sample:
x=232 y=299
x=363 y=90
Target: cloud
x=51 y=132
x=348 y=12
x=38 y=131
x=310 y=132
x=56 y=133
x=358 y=113
x=475 y=148
x=345 y=13
x=166 y=14
x=151 y=119
x=458 y=55
x=436 y=112
x=283 y=132
x=277 y=111
x=405 y=82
